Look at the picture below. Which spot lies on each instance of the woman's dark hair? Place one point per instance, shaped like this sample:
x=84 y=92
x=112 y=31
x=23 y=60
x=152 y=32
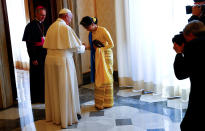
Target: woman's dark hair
x=87 y=20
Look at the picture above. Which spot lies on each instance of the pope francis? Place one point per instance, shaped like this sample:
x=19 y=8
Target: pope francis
x=61 y=88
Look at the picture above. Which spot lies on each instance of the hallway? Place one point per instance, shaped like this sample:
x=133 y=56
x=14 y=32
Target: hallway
x=132 y=111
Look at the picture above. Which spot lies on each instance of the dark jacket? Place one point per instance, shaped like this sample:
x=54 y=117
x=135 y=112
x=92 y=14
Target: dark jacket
x=194 y=17
x=33 y=33
x=191 y=65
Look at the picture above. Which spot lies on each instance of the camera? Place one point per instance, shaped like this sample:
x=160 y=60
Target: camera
x=179 y=39
x=97 y=43
x=189 y=8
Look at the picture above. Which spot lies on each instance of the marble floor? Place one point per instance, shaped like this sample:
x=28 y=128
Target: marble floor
x=132 y=111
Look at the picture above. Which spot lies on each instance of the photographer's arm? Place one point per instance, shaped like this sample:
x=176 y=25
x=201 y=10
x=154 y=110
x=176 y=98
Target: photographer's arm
x=180 y=67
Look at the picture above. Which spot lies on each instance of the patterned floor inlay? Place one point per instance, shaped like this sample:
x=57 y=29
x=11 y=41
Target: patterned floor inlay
x=120 y=122
x=97 y=113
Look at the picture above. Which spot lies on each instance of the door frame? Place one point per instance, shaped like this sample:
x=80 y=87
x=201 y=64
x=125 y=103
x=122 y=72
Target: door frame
x=9 y=49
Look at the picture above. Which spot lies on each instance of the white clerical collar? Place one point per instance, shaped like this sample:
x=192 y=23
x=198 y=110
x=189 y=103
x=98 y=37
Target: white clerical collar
x=38 y=20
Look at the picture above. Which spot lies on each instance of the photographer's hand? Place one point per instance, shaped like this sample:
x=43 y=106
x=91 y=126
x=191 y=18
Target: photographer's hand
x=177 y=48
x=196 y=10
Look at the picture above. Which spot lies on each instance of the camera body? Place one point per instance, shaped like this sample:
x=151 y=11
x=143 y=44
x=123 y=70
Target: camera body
x=97 y=43
x=179 y=39
x=189 y=8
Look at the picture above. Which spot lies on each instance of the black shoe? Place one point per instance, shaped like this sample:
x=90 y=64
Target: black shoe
x=79 y=116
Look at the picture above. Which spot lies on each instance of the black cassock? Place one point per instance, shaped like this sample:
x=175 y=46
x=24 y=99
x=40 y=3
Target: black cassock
x=33 y=34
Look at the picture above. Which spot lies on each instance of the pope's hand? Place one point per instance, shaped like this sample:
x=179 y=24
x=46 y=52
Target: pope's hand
x=86 y=46
x=83 y=44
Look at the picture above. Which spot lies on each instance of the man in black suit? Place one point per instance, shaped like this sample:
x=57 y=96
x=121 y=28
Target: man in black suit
x=189 y=63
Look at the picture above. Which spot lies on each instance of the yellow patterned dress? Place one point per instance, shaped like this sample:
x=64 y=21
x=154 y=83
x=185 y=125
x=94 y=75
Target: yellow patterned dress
x=103 y=69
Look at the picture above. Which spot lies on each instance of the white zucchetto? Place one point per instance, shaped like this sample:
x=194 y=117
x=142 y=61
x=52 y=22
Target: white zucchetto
x=64 y=11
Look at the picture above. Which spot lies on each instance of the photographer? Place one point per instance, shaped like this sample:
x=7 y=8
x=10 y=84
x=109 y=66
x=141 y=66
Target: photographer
x=189 y=63
x=198 y=11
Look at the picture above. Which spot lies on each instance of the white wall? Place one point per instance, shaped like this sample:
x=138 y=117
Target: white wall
x=85 y=8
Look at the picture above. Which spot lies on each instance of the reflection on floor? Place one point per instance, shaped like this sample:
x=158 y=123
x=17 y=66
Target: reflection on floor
x=131 y=112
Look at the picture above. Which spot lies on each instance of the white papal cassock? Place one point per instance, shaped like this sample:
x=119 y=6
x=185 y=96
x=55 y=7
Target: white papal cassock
x=61 y=87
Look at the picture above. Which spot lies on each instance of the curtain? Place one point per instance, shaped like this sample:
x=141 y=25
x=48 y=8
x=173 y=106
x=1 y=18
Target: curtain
x=148 y=48
x=17 y=21
x=18 y=18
